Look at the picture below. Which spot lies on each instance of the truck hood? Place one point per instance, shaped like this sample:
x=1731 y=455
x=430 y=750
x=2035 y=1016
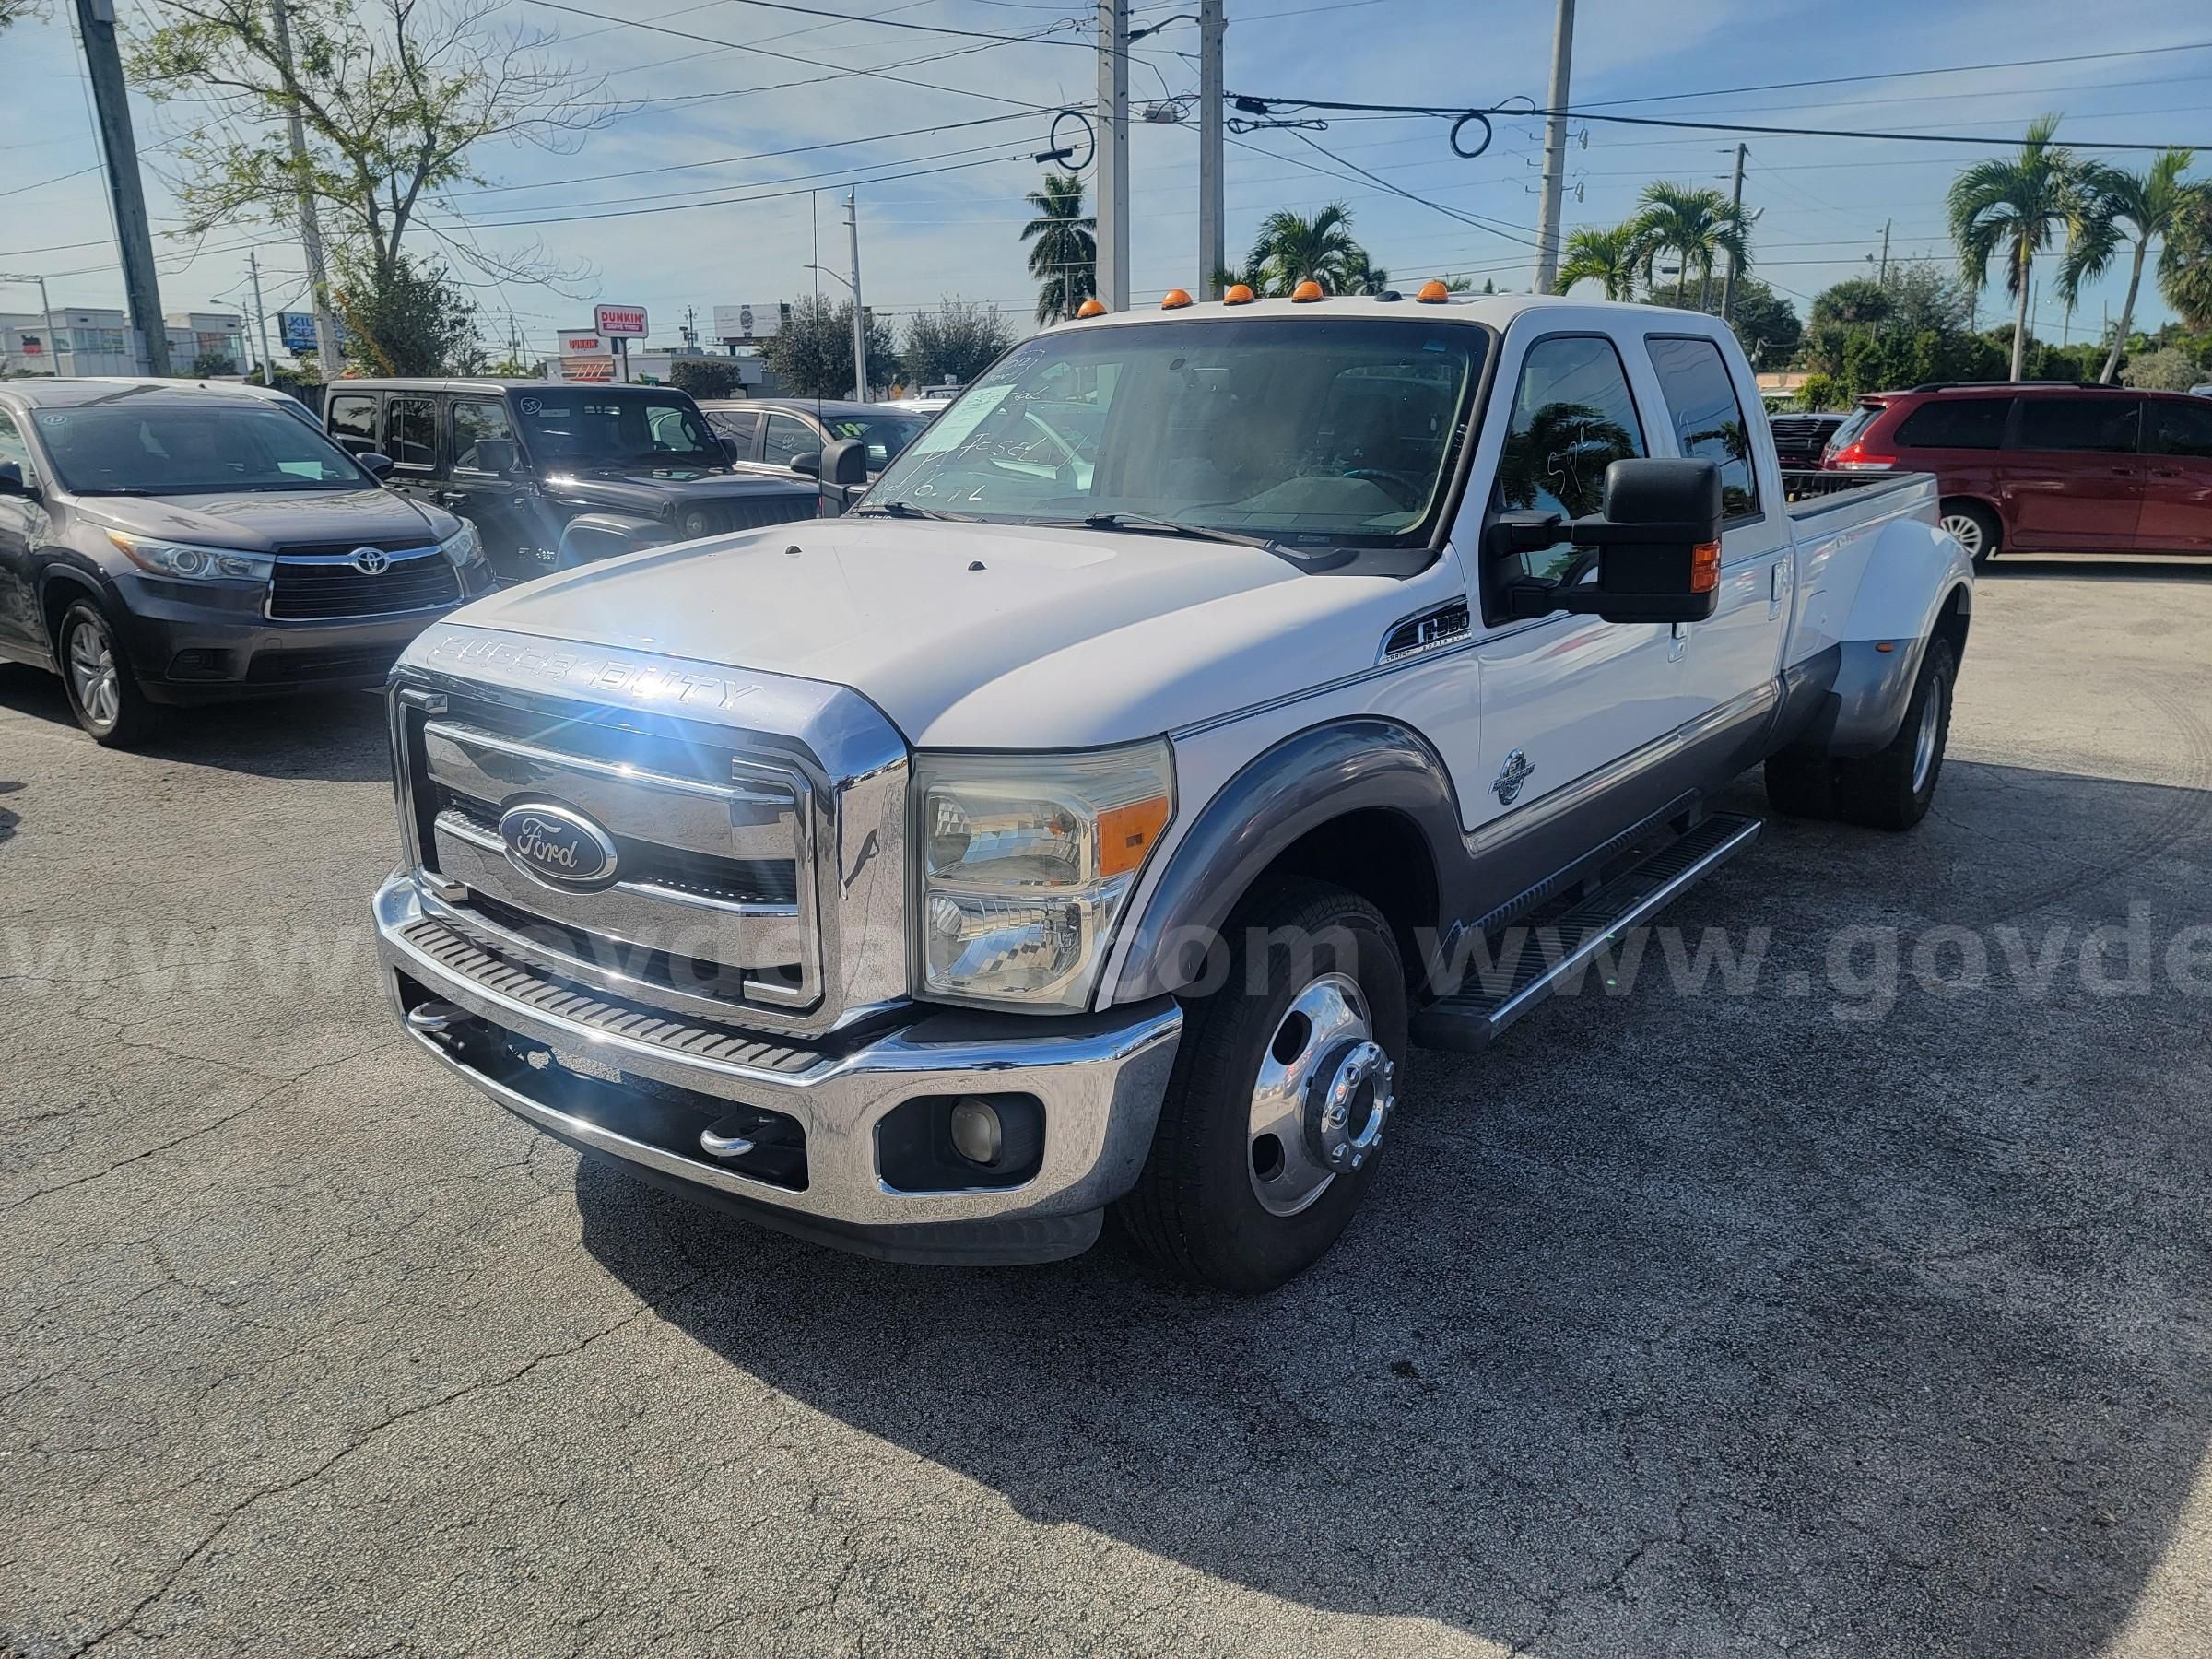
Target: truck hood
x=984 y=636
x=263 y=520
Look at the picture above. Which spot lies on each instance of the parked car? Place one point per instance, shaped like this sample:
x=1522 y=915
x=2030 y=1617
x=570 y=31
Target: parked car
x=1026 y=843
x=1800 y=439
x=166 y=542
x=779 y=434
x=2047 y=469
x=556 y=474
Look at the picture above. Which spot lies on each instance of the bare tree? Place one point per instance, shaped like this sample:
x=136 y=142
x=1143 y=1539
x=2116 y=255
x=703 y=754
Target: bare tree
x=397 y=98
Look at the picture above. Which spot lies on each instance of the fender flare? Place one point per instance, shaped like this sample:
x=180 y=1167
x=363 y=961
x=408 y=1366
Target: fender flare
x=1296 y=786
x=591 y=537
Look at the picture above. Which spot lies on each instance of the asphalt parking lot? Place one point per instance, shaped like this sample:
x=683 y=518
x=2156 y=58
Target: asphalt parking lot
x=1861 y=1310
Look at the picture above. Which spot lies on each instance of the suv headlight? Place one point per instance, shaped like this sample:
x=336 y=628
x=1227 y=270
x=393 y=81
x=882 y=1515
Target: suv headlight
x=464 y=546
x=1026 y=862
x=193 y=563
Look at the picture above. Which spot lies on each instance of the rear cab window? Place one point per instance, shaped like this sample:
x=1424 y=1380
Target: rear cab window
x=1966 y=423
x=1707 y=417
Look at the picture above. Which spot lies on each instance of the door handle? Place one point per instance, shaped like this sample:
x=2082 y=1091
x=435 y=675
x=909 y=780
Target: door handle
x=2161 y=472
x=448 y=497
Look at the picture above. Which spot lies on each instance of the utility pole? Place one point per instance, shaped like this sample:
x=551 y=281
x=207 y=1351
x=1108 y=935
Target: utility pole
x=1737 y=203
x=1881 y=273
x=96 y=27
x=311 y=229
x=1555 y=150
x=860 y=317
x=261 y=320
x=1213 y=245
x=1113 y=147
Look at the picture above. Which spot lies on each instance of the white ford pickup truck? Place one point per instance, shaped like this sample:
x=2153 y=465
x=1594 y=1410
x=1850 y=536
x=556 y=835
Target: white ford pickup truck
x=1085 y=823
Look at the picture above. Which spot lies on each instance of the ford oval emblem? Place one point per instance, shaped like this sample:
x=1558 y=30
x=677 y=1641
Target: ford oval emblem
x=557 y=845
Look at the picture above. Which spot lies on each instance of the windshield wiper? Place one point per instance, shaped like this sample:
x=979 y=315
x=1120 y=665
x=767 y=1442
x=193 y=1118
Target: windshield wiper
x=903 y=509
x=1160 y=526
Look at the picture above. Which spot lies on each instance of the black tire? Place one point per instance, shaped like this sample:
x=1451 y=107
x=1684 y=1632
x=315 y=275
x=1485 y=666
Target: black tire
x=1800 y=783
x=1196 y=1208
x=1890 y=790
x=119 y=715
x=1986 y=537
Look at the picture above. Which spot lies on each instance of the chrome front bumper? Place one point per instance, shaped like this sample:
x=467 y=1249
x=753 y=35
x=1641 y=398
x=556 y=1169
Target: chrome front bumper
x=1100 y=1079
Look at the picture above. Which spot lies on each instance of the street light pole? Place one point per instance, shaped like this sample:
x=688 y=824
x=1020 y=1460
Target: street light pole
x=1213 y=246
x=1555 y=150
x=1728 y=282
x=1113 y=154
x=311 y=229
x=860 y=317
x=261 y=321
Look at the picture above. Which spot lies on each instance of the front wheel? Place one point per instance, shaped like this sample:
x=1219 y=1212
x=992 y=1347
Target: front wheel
x=1283 y=1087
x=103 y=692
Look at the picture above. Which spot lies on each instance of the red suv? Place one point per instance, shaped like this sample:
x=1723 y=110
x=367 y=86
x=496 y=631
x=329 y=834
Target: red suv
x=2047 y=469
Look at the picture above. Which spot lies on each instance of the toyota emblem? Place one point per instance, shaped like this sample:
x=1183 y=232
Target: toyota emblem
x=372 y=561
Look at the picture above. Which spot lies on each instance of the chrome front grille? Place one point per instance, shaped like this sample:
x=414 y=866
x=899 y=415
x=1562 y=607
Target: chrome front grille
x=715 y=894
x=757 y=823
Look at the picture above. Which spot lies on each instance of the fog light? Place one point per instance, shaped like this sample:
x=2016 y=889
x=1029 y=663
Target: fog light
x=976 y=1134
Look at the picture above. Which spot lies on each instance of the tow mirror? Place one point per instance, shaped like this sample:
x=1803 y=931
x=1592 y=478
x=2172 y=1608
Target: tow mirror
x=11 y=479
x=1657 y=545
x=379 y=466
x=809 y=463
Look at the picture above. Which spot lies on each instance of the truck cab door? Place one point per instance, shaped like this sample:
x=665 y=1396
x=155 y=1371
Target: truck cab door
x=411 y=439
x=1729 y=661
x=490 y=485
x=1571 y=704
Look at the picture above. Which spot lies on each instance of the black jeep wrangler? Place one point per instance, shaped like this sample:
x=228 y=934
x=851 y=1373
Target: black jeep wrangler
x=555 y=473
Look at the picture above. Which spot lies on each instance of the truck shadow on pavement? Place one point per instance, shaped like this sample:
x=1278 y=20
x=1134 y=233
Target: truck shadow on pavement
x=1676 y=1323
x=332 y=736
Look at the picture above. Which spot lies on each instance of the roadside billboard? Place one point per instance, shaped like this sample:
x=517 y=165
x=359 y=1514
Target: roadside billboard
x=587 y=368
x=627 y=320
x=584 y=345
x=742 y=324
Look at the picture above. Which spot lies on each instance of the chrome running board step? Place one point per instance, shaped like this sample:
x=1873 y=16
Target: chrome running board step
x=1541 y=953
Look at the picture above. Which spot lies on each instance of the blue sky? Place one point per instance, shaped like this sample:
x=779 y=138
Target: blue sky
x=1824 y=200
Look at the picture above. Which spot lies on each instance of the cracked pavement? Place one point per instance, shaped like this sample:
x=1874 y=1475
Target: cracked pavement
x=1849 y=1316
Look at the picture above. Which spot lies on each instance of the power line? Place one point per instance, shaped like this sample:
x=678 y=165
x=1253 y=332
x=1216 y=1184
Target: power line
x=1844 y=80
x=1049 y=37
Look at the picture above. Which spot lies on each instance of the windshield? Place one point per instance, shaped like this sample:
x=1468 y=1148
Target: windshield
x=589 y=429
x=886 y=435
x=140 y=446
x=1296 y=428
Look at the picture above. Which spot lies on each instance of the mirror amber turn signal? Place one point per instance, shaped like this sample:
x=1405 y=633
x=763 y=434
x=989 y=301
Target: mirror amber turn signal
x=1657 y=545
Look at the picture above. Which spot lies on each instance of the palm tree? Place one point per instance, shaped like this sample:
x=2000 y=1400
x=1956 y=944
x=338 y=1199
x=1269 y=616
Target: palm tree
x=1292 y=249
x=1610 y=258
x=2186 y=267
x=1064 y=248
x=1697 y=223
x=2118 y=206
x=2017 y=205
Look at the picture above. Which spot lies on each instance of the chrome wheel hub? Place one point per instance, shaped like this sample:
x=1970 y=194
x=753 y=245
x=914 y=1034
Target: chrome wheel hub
x=1323 y=1097
x=92 y=673
x=1968 y=532
x=1923 y=740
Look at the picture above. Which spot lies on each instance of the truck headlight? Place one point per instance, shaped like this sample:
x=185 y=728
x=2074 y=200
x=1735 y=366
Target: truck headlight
x=191 y=563
x=464 y=546
x=1026 y=862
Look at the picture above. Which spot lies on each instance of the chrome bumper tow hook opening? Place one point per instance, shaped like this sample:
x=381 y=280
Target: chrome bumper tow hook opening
x=720 y=1139
x=430 y=1017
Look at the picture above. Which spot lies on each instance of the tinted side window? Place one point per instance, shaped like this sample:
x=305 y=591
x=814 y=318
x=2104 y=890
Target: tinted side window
x=2103 y=424
x=411 y=431
x=353 y=422
x=741 y=426
x=788 y=436
x=1573 y=416
x=1709 y=420
x=2181 y=429
x=476 y=423
x=12 y=447
x=1956 y=423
